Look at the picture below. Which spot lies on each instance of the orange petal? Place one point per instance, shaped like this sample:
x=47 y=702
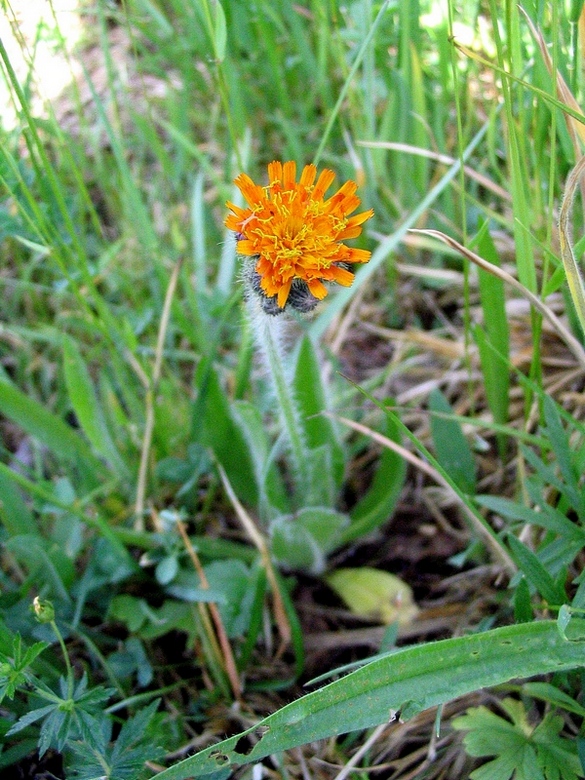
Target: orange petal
x=246 y=247
x=317 y=288
x=341 y=275
x=253 y=193
x=324 y=181
x=357 y=255
x=274 y=172
x=308 y=175
x=283 y=294
x=359 y=219
x=351 y=231
x=289 y=174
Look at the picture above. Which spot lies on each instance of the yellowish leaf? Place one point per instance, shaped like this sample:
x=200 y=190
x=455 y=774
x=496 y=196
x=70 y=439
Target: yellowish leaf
x=374 y=594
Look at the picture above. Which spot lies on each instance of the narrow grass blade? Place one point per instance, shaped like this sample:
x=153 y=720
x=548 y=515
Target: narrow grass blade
x=536 y=573
x=573 y=274
x=45 y=426
x=87 y=408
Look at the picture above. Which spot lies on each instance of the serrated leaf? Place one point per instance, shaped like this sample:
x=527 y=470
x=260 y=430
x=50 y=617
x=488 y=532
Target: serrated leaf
x=30 y=717
x=409 y=680
x=520 y=749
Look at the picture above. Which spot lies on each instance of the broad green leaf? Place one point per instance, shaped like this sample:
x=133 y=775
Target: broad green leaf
x=268 y=476
x=45 y=426
x=302 y=540
x=294 y=547
x=236 y=583
x=218 y=428
x=409 y=681
x=87 y=408
x=451 y=447
x=14 y=513
x=521 y=750
x=377 y=505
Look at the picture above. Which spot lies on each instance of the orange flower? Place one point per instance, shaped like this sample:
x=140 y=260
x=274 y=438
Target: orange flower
x=295 y=233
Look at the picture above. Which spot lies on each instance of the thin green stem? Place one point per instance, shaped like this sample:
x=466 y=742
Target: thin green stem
x=66 y=657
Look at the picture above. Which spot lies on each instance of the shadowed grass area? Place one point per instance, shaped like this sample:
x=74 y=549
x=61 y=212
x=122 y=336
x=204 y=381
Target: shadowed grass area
x=176 y=502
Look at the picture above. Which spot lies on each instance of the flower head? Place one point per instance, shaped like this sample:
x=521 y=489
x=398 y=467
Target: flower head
x=295 y=233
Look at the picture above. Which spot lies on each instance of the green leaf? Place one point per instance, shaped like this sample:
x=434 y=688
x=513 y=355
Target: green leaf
x=48 y=566
x=14 y=513
x=378 y=504
x=268 y=476
x=216 y=427
x=236 y=583
x=301 y=541
x=410 y=680
x=14 y=666
x=535 y=572
x=548 y=517
x=496 y=380
x=451 y=447
x=43 y=425
x=562 y=450
x=87 y=408
x=554 y=696
x=219 y=32
x=521 y=750
x=319 y=430
x=493 y=340
x=374 y=594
